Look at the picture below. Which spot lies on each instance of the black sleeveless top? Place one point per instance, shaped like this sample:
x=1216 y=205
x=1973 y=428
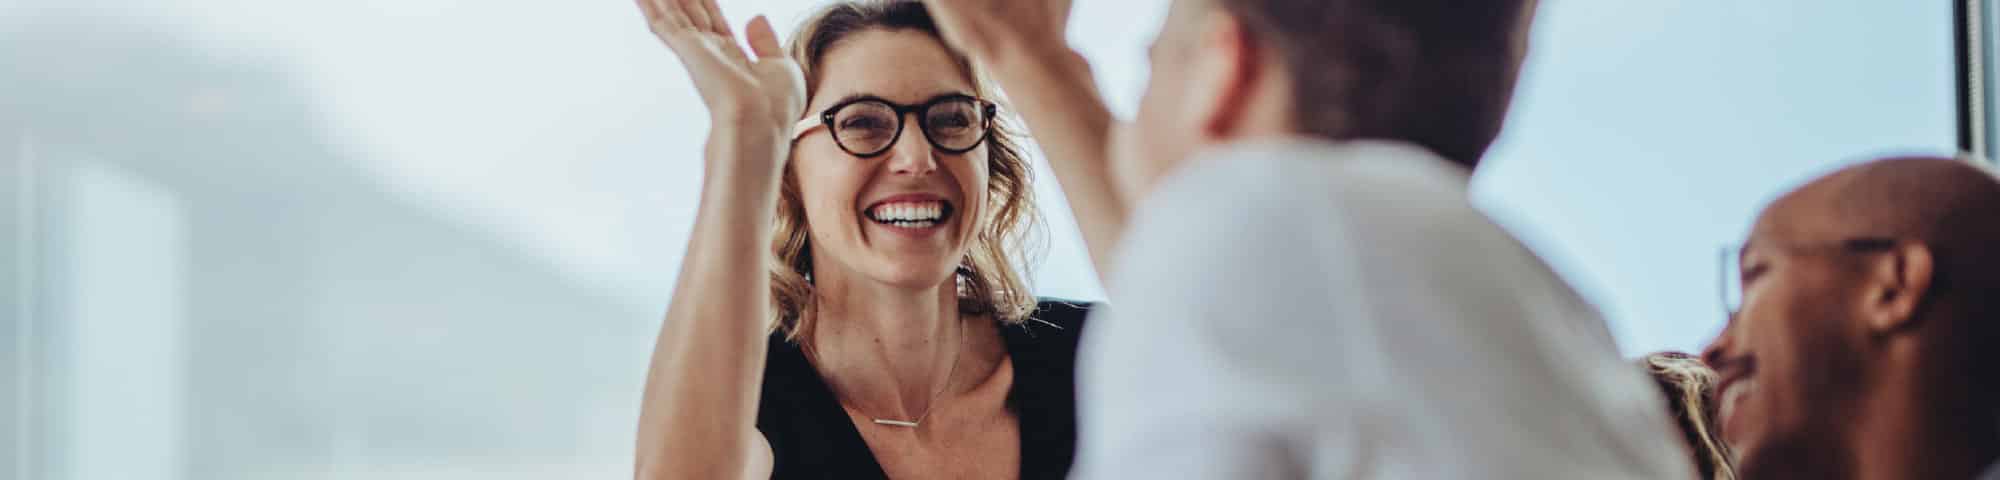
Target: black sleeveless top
x=812 y=437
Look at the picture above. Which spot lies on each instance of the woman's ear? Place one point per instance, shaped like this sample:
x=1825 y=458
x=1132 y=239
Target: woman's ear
x=1898 y=283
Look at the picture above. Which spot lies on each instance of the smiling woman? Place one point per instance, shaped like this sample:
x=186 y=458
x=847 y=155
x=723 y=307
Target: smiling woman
x=893 y=326
x=956 y=125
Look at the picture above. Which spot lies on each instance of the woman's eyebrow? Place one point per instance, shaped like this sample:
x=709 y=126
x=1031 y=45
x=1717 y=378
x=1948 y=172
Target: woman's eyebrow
x=949 y=94
x=852 y=97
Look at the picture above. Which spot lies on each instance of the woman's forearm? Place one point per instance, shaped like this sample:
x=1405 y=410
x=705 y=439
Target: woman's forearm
x=1052 y=88
x=699 y=410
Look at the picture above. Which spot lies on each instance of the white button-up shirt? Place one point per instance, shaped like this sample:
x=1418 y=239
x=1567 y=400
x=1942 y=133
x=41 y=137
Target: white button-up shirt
x=1318 y=310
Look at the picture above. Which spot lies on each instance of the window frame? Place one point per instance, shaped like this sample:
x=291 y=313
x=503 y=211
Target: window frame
x=1972 y=31
x=21 y=380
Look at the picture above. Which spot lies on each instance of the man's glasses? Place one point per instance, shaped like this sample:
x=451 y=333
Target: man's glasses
x=867 y=126
x=1732 y=265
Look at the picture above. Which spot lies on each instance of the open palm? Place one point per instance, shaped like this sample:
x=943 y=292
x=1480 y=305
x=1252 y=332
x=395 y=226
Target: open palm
x=767 y=91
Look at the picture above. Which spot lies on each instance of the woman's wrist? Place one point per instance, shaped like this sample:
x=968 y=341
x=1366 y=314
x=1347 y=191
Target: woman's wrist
x=1033 y=52
x=739 y=139
x=744 y=123
x=743 y=163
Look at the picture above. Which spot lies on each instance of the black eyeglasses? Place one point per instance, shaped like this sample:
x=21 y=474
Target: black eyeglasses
x=1732 y=264
x=867 y=126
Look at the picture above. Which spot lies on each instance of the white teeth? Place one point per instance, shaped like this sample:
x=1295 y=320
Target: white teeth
x=908 y=212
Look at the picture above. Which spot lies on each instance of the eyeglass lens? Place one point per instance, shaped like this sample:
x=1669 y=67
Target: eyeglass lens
x=869 y=127
x=1731 y=276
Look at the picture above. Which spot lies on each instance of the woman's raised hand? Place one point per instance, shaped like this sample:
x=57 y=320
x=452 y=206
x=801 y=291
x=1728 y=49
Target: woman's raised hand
x=741 y=92
x=698 y=418
x=987 y=29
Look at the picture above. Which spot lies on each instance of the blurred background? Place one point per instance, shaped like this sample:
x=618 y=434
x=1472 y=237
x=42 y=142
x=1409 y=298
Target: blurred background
x=282 y=239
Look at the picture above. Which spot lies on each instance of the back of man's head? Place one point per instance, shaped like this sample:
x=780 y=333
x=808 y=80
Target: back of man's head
x=1436 y=73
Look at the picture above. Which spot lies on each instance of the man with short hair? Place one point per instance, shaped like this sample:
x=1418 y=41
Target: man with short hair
x=1303 y=288
x=1863 y=345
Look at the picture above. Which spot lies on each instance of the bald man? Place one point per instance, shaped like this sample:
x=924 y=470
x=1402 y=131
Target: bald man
x=1865 y=346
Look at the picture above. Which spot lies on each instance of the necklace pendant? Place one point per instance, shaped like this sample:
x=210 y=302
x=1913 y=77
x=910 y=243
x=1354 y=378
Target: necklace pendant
x=894 y=423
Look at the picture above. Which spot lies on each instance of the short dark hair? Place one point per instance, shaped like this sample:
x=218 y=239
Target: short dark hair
x=1436 y=73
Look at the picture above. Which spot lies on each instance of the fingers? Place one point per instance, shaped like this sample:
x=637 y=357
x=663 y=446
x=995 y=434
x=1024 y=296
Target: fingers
x=661 y=17
x=716 y=23
x=647 y=7
x=763 y=40
x=697 y=14
x=950 y=16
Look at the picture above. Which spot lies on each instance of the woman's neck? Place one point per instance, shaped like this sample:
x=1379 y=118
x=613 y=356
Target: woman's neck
x=887 y=350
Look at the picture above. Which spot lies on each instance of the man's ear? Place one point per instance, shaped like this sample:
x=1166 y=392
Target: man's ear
x=1229 y=66
x=1898 y=283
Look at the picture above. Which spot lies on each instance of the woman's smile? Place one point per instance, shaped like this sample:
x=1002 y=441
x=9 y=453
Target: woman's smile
x=911 y=214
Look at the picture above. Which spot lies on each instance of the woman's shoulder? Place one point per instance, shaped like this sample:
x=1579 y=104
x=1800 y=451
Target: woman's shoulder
x=1052 y=331
x=1044 y=394
x=1058 y=317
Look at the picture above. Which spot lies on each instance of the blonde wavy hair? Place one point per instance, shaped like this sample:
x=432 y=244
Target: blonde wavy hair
x=990 y=276
x=1689 y=386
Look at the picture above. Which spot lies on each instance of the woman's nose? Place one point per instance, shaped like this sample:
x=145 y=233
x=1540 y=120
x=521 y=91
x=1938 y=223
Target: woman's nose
x=912 y=153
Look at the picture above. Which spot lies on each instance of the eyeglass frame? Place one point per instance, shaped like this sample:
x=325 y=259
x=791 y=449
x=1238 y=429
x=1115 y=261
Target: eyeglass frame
x=1861 y=244
x=986 y=108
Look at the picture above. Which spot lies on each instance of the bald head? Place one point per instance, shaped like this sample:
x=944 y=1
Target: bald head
x=1951 y=207
x=1942 y=202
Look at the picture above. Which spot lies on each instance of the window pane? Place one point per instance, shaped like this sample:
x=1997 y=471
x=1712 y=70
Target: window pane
x=1647 y=134
x=1981 y=23
x=1644 y=135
